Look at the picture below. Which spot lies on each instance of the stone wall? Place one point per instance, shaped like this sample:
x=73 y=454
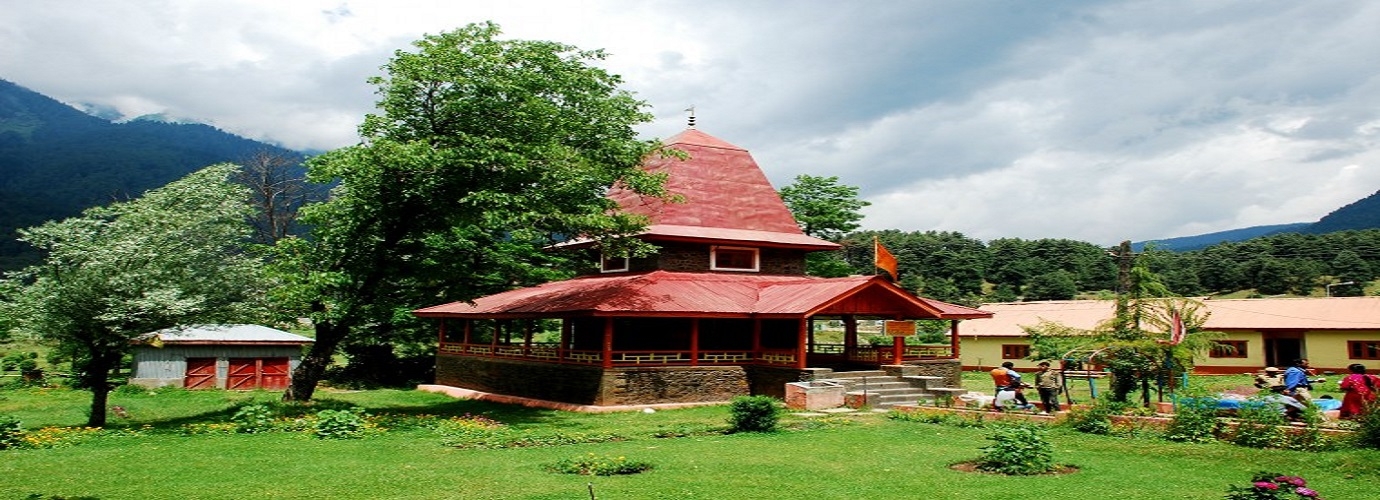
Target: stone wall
x=591 y=385
x=771 y=381
x=951 y=370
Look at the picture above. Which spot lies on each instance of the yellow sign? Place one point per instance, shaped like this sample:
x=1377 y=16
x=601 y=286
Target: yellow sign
x=900 y=328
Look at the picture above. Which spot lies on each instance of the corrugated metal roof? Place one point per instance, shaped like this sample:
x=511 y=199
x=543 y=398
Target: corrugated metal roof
x=665 y=293
x=1329 y=313
x=726 y=197
x=223 y=334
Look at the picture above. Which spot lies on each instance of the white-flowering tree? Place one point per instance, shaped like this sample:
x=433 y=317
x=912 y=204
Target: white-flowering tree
x=172 y=257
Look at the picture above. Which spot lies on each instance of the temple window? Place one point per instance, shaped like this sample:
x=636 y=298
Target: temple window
x=613 y=264
x=733 y=259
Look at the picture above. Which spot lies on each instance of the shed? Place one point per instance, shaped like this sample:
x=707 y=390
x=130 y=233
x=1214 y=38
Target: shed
x=235 y=357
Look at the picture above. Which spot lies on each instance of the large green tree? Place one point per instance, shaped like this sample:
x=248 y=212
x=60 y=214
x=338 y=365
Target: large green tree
x=172 y=257
x=828 y=210
x=483 y=152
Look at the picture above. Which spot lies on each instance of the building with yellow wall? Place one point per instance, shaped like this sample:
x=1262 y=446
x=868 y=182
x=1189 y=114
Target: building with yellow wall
x=1331 y=332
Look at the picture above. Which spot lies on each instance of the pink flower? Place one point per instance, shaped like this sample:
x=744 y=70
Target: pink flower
x=1293 y=480
x=1305 y=492
x=1266 y=485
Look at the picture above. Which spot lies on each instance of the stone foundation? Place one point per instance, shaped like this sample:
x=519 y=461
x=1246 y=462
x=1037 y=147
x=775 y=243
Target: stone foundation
x=592 y=385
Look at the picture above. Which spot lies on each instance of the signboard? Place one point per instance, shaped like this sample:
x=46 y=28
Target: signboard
x=899 y=328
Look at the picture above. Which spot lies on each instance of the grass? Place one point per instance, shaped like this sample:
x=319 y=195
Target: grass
x=860 y=456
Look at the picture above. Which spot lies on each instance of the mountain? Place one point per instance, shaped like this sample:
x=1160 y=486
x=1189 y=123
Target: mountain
x=1201 y=241
x=1362 y=214
x=56 y=160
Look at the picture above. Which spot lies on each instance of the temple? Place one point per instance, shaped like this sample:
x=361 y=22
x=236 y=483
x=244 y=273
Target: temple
x=723 y=308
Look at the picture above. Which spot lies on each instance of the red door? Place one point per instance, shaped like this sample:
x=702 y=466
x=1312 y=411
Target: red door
x=274 y=374
x=201 y=373
x=257 y=373
x=243 y=374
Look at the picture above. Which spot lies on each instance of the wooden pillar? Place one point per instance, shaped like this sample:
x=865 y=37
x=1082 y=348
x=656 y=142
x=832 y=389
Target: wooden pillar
x=953 y=338
x=565 y=339
x=850 y=335
x=469 y=328
x=756 y=339
x=801 y=342
x=812 y=334
x=694 y=341
x=898 y=349
x=441 y=335
x=608 y=343
x=527 y=337
x=498 y=330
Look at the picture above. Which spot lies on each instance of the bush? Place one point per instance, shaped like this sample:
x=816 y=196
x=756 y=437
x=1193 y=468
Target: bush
x=1367 y=433
x=253 y=419
x=753 y=414
x=1096 y=419
x=131 y=390
x=1259 y=425
x=1018 y=449
x=594 y=465
x=340 y=424
x=1272 y=486
x=1195 y=421
x=1310 y=437
x=11 y=433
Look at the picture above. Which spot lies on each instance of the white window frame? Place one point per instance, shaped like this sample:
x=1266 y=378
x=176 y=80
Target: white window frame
x=604 y=264
x=714 y=259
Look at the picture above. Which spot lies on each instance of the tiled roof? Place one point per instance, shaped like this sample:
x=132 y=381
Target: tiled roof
x=726 y=198
x=223 y=334
x=1329 y=313
x=665 y=293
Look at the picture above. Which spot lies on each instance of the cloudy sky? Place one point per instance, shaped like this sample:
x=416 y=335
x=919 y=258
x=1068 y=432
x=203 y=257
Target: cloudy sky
x=1097 y=120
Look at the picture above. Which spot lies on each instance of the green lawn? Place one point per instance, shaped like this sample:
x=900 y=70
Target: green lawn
x=854 y=457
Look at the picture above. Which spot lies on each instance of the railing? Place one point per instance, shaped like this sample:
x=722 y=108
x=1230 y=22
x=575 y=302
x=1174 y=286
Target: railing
x=551 y=352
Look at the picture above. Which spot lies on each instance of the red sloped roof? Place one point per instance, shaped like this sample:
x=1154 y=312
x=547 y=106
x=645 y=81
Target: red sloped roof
x=726 y=198
x=665 y=293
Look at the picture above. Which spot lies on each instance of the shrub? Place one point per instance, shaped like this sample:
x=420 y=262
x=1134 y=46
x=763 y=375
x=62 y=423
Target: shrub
x=340 y=424
x=1018 y=449
x=594 y=465
x=753 y=414
x=131 y=390
x=1310 y=437
x=1096 y=419
x=11 y=433
x=253 y=418
x=1195 y=421
x=1367 y=433
x=1271 y=486
x=1258 y=425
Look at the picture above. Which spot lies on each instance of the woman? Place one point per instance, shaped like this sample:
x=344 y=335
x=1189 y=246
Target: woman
x=1360 y=391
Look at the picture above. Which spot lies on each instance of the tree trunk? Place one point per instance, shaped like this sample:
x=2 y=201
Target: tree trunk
x=98 y=379
x=313 y=366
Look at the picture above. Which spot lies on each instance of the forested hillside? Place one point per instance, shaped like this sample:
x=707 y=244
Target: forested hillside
x=950 y=266
x=56 y=161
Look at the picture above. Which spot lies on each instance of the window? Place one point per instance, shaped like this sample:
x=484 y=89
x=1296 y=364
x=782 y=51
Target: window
x=1228 y=349
x=1014 y=351
x=613 y=264
x=1363 y=349
x=733 y=259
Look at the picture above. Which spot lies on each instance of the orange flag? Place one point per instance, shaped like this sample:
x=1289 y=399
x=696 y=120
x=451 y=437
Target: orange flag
x=884 y=259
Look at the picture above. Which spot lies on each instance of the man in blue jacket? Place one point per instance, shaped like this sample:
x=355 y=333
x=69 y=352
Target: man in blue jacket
x=1296 y=382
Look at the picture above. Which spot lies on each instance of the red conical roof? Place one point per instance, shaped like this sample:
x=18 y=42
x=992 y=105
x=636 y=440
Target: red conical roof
x=726 y=198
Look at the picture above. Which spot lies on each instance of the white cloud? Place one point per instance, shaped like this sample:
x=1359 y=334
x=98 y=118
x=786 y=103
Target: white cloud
x=1101 y=121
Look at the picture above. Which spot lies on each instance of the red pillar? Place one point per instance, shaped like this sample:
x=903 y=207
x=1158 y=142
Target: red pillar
x=850 y=336
x=898 y=349
x=801 y=343
x=694 y=341
x=756 y=338
x=953 y=338
x=565 y=339
x=469 y=327
x=527 y=338
x=608 y=343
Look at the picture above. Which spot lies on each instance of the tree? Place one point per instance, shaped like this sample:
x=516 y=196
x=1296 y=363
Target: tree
x=484 y=152
x=279 y=186
x=827 y=210
x=1055 y=285
x=824 y=208
x=173 y=257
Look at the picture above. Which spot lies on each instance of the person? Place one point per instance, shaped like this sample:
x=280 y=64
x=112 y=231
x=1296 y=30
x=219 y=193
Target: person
x=1049 y=385
x=1296 y=382
x=1006 y=378
x=1360 y=391
x=1270 y=380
